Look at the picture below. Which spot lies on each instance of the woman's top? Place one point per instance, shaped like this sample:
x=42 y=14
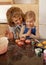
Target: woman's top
x=15 y=30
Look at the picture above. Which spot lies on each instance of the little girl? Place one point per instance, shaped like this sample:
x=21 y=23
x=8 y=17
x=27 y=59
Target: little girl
x=30 y=30
x=15 y=19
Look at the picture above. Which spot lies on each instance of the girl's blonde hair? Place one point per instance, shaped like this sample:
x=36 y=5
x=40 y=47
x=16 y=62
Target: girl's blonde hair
x=30 y=14
x=14 y=11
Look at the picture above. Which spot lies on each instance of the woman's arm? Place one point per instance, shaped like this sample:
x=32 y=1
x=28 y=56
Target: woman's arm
x=9 y=34
x=21 y=32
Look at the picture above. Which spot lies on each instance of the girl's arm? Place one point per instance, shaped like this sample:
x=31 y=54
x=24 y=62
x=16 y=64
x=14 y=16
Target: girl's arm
x=27 y=34
x=24 y=35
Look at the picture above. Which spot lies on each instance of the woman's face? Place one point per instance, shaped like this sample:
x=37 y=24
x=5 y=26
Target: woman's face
x=17 y=20
x=30 y=22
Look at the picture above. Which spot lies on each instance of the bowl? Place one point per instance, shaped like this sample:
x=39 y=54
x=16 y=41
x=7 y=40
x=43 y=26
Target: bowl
x=3 y=45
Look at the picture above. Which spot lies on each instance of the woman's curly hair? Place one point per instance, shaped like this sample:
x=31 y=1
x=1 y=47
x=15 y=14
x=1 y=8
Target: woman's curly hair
x=10 y=12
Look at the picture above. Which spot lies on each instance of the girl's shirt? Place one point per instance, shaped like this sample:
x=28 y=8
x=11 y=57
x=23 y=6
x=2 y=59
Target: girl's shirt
x=33 y=31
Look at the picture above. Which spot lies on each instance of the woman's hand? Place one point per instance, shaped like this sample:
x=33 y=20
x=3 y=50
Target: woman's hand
x=9 y=35
x=23 y=36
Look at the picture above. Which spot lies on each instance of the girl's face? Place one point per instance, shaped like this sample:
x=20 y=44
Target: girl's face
x=30 y=22
x=17 y=20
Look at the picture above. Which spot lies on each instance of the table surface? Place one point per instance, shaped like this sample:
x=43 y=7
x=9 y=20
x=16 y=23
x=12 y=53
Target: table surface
x=20 y=56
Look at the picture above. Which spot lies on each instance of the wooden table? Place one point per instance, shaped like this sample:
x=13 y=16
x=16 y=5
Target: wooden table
x=20 y=56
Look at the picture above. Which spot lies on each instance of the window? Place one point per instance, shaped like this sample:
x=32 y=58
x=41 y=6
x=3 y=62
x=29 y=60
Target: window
x=3 y=10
